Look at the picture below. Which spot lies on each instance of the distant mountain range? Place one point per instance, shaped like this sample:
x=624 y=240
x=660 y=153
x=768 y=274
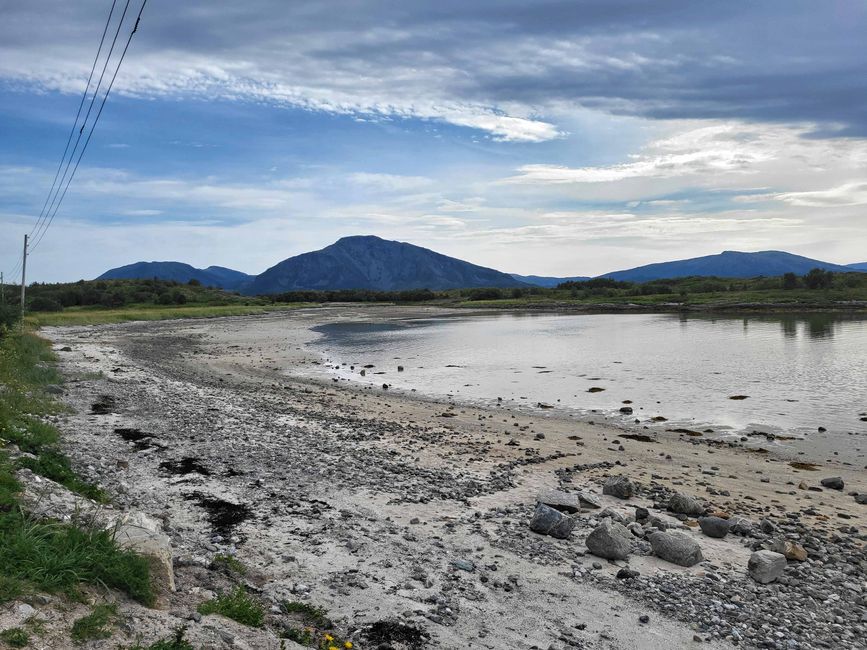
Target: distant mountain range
x=213 y=276
x=368 y=262
x=728 y=264
x=546 y=280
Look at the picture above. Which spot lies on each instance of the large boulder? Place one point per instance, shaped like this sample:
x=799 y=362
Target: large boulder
x=675 y=547
x=548 y=521
x=685 y=505
x=619 y=486
x=137 y=532
x=610 y=540
x=714 y=526
x=766 y=566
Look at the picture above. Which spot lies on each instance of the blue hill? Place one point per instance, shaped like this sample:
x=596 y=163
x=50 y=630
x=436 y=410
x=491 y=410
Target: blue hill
x=729 y=264
x=368 y=262
x=213 y=276
x=547 y=280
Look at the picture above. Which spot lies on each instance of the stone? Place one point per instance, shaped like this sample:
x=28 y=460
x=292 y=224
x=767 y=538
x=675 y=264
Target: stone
x=610 y=540
x=618 y=486
x=861 y=498
x=714 y=526
x=142 y=534
x=834 y=483
x=626 y=410
x=464 y=565
x=641 y=514
x=766 y=566
x=562 y=501
x=548 y=521
x=675 y=547
x=611 y=513
x=685 y=504
x=627 y=574
x=790 y=550
x=741 y=526
x=589 y=500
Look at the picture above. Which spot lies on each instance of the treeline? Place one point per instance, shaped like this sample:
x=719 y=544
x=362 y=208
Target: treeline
x=110 y=294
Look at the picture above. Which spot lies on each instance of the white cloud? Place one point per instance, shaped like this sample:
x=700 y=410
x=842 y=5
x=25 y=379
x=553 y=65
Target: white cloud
x=848 y=194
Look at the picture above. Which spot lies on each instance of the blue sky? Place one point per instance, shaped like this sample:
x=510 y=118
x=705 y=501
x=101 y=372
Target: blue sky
x=547 y=137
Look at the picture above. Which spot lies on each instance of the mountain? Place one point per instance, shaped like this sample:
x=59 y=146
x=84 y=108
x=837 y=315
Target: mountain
x=860 y=266
x=546 y=280
x=728 y=264
x=213 y=276
x=368 y=262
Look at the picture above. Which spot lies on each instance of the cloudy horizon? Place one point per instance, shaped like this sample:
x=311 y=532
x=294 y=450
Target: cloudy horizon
x=546 y=138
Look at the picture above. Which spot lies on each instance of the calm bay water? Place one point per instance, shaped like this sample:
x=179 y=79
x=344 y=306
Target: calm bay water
x=799 y=373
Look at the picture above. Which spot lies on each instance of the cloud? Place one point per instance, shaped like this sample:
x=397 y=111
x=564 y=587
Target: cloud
x=503 y=68
x=848 y=194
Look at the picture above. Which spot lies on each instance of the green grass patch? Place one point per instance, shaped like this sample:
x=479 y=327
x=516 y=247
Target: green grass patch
x=89 y=316
x=175 y=642
x=302 y=636
x=313 y=614
x=98 y=624
x=228 y=562
x=15 y=637
x=237 y=605
x=48 y=555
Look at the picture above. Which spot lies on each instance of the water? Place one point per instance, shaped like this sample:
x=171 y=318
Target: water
x=799 y=373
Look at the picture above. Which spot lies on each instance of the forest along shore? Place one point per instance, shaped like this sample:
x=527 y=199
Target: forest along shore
x=415 y=516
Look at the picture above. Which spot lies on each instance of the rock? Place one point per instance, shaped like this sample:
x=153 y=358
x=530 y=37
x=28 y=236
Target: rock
x=636 y=529
x=685 y=504
x=834 y=482
x=627 y=574
x=790 y=550
x=619 y=486
x=610 y=540
x=644 y=618
x=610 y=513
x=66 y=348
x=766 y=566
x=25 y=611
x=589 y=500
x=562 y=501
x=714 y=526
x=142 y=534
x=464 y=565
x=861 y=498
x=741 y=526
x=548 y=521
x=626 y=410
x=641 y=514
x=677 y=548
x=767 y=526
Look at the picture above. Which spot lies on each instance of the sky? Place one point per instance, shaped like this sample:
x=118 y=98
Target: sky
x=537 y=137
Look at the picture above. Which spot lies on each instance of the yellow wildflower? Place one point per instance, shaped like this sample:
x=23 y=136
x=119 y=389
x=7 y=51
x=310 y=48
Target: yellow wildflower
x=328 y=637
x=347 y=645
x=331 y=647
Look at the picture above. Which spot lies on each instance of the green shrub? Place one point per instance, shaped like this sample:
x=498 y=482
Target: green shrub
x=15 y=637
x=237 y=605
x=96 y=625
x=175 y=642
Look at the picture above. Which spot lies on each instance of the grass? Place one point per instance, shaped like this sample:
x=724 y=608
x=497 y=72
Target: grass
x=96 y=625
x=302 y=636
x=237 y=605
x=175 y=642
x=312 y=613
x=48 y=555
x=99 y=316
x=228 y=562
x=15 y=637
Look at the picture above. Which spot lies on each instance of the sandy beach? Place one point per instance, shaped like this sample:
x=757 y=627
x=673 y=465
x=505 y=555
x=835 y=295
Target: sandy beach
x=390 y=507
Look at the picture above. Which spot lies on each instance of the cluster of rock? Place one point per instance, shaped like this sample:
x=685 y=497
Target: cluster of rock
x=814 y=581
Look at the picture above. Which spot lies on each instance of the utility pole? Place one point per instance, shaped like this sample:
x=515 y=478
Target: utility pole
x=23 y=274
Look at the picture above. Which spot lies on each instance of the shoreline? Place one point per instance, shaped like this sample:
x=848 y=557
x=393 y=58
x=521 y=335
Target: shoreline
x=370 y=502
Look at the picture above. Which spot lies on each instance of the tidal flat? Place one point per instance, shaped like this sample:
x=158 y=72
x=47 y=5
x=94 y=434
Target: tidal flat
x=399 y=511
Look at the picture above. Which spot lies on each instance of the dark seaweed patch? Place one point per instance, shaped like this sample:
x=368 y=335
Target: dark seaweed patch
x=388 y=632
x=140 y=440
x=223 y=516
x=105 y=404
x=184 y=466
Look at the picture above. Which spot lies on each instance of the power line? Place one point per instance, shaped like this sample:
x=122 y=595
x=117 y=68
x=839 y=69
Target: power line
x=84 y=122
x=75 y=122
x=95 y=122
